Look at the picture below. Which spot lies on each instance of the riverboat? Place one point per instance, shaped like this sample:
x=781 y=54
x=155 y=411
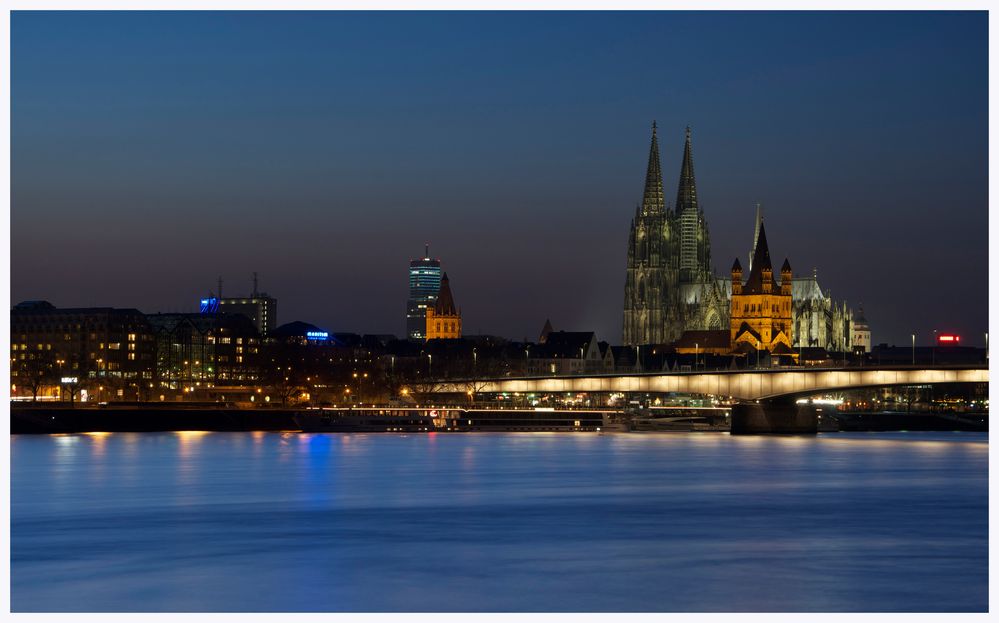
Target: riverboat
x=450 y=419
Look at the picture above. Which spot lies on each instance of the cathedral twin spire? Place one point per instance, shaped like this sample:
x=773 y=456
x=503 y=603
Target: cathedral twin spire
x=686 y=194
x=652 y=199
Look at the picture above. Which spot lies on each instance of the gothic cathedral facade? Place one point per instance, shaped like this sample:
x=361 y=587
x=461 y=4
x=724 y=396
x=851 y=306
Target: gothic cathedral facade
x=670 y=285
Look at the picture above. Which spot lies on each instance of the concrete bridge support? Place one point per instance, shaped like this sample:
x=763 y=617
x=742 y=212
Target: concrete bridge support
x=782 y=415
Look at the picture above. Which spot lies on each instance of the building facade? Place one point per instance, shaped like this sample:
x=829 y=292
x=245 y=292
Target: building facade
x=819 y=321
x=424 y=284
x=860 y=333
x=561 y=353
x=258 y=307
x=443 y=321
x=202 y=350
x=108 y=352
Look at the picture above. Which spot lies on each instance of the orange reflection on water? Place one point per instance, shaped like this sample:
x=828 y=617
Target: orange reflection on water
x=98 y=440
x=188 y=440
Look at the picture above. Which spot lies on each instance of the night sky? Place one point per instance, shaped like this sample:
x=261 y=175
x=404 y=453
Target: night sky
x=153 y=152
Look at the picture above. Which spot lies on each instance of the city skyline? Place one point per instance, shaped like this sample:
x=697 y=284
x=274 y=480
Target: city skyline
x=526 y=200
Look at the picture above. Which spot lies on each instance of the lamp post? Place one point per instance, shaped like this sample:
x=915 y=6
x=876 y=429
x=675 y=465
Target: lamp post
x=934 y=355
x=914 y=349
x=430 y=365
x=696 y=345
x=475 y=361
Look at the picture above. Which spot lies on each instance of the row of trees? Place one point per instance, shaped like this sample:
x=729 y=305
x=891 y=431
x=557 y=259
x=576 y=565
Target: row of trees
x=45 y=369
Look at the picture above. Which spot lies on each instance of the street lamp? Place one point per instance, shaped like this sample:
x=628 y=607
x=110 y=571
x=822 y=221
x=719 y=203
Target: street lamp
x=696 y=345
x=934 y=355
x=913 y=349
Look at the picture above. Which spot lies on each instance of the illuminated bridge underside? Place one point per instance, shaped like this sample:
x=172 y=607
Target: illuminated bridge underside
x=743 y=385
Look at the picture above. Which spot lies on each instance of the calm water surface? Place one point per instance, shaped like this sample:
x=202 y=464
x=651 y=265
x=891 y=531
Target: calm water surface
x=494 y=522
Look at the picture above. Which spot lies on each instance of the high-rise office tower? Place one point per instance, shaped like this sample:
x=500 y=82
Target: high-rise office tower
x=258 y=307
x=424 y=284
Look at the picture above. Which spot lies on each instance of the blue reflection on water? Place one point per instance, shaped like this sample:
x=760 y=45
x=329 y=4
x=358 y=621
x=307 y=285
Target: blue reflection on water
x=499 y=522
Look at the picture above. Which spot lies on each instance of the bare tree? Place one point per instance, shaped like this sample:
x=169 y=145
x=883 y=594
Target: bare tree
x=286 y=382
x=35 y=372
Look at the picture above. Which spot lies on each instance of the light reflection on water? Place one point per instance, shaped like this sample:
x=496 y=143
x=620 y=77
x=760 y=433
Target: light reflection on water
x=196 y=521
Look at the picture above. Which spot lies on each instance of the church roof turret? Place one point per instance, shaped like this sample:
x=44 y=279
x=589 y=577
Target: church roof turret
x=545 y=331
x=652 y=200
x=736 y=266
x=686 y=194
x=761 y=262
x=786 y=266
x=445 y=301
x=859 y=316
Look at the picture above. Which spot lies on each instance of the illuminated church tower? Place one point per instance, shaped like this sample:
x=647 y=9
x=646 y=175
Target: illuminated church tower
x=650 y=269
x=760 y=317
x=444 y=319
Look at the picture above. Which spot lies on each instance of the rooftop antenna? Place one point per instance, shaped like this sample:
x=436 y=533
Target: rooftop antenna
x=426 y=251
x=254 y=284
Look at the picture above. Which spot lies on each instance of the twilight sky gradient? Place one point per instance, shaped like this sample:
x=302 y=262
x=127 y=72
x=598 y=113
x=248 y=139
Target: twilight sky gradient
x=152 y=152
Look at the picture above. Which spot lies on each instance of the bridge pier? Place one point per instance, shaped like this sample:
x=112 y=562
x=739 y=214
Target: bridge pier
x=781 y=416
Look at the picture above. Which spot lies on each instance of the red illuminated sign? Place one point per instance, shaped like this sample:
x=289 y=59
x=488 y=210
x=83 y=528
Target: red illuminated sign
x=949 y=339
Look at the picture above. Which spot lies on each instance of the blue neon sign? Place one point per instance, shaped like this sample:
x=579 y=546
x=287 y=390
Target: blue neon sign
x=317 y=335
x=209 y=305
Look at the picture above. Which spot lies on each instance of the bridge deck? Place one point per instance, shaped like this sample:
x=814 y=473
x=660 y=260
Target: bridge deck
x=741 y=384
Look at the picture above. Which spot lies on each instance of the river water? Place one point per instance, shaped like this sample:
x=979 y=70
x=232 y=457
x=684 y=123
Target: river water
x=499 y=522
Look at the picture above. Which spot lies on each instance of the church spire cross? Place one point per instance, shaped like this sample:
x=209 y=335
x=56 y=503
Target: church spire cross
x=686 y=194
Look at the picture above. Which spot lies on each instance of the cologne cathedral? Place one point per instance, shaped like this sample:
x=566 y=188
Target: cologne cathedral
x=671 y=288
